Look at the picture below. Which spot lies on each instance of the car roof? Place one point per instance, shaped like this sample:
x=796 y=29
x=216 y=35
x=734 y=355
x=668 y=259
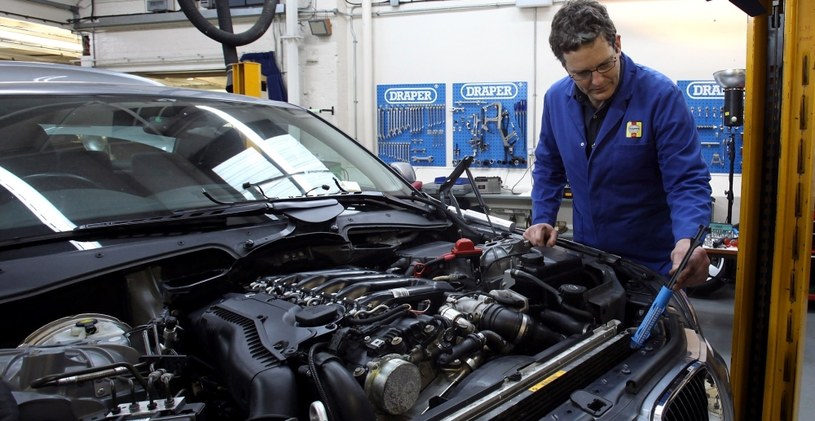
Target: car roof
x=21 y=71
x=30 y=78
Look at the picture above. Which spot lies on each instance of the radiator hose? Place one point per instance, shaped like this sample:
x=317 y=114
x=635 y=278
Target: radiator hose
x=514 y=326
x=469 y=345
x=573 y=311
x=518 y=328
x=342 y=395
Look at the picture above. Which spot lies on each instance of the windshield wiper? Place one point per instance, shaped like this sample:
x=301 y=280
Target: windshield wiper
x=194 y=219
x=415 y=203
x=310 y=210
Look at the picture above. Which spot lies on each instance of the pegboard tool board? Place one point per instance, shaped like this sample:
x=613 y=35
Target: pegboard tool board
x=411 y=124
x=489 y=123
x=705 y=99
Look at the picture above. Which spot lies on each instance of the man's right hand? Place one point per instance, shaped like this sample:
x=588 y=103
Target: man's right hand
x=541 y=235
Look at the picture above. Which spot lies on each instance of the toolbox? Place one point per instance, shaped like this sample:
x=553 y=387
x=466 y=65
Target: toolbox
x=459 y=188
x=488 y=185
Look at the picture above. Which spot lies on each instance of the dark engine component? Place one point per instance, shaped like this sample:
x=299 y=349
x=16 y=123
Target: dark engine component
x=27 y=367
x=84 y=366
x=513 y=326
x=251 y=338
x=382 y=343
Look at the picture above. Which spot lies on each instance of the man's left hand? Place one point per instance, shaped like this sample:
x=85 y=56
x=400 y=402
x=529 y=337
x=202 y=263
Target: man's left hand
x=696 y=270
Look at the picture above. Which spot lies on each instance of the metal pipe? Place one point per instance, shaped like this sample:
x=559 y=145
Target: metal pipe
x=368 y=98
x=292 y=53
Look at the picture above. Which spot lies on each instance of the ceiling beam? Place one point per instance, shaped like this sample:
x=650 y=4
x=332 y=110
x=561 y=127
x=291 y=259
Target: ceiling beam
x=157 y=18
x=57 y=5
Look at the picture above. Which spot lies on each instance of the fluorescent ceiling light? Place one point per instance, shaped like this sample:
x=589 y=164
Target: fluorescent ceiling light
x=39 y=38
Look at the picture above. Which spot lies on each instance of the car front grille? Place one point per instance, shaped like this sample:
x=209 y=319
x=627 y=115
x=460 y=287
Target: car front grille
x=687 y=399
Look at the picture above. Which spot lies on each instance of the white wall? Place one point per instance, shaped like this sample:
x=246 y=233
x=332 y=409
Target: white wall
x=165 y=49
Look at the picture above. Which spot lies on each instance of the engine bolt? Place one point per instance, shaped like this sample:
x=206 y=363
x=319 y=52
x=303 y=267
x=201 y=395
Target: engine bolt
x=396 y=341
x=429 y=328
x=625 y=369
x=359 y=371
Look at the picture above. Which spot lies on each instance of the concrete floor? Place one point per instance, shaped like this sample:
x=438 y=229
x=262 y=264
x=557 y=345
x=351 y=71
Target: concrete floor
x=716 y=316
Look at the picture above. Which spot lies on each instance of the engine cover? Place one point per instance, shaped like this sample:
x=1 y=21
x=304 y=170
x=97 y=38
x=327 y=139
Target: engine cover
x=251 y=336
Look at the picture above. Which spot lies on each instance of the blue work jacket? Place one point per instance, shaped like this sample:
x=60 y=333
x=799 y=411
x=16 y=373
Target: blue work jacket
x=645 y=184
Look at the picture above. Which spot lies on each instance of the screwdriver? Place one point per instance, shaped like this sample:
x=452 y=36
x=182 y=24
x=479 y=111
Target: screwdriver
x=665 y=294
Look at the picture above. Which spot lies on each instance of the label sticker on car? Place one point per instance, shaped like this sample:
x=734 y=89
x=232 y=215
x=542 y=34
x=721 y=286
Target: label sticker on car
x=541 y=384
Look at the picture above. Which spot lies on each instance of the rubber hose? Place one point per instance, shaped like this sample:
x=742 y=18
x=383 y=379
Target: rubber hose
x=247 y=37
x=344 y=395
x=563 y=322
x=386 y=316
x=467 y=346
x=496 y=342
x=510 y=325
x=571 y=310
x=312 y=367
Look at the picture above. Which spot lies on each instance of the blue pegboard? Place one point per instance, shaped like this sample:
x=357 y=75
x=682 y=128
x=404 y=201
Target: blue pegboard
x=489 y=123
x=705 y=101
x=411 y=121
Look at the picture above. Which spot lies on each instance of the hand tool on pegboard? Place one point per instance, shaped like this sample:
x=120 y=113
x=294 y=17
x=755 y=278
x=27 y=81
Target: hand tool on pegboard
x=520 y=117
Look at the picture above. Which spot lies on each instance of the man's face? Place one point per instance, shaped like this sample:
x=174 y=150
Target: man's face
x=594 y=69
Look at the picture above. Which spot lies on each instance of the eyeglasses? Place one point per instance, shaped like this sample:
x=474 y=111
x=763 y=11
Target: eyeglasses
x=602 y=68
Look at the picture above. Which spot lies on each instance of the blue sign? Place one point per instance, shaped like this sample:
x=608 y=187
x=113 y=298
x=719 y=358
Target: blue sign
x=705 y=99
x=704 y=89
x=490 y=91
x=411 y=121
x=489 y=123
x=408 y=95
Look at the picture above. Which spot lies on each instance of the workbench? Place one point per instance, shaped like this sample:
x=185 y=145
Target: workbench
x=514 y=207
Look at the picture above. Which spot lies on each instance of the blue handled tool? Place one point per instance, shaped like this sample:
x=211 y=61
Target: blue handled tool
x=665 y=294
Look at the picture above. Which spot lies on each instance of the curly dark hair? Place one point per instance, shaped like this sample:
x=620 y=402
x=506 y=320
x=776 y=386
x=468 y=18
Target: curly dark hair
x=577 y=23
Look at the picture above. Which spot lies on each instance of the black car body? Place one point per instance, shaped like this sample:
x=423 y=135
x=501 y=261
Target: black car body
x=180 y=254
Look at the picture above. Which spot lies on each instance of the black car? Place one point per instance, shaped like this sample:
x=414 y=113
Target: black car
x=171 y=254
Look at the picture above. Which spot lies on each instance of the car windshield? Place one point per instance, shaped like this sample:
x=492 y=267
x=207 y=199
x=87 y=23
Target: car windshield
x=72 y=160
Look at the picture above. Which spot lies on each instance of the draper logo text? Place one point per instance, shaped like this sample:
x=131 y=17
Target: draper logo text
x=489 y=91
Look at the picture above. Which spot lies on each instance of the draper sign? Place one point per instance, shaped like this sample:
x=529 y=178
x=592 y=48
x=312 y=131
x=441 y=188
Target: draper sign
x=489 y=91
x=704 y=90
x=411 y=95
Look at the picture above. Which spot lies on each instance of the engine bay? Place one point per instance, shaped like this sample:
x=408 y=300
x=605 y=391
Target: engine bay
x=427 y=330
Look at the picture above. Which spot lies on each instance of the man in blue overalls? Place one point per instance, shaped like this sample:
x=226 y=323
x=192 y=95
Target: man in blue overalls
x=623 y=137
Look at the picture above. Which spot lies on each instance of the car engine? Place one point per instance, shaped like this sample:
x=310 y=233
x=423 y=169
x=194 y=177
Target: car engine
x=432 y=327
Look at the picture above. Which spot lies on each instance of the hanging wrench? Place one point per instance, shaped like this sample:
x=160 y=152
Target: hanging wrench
x=427 y=159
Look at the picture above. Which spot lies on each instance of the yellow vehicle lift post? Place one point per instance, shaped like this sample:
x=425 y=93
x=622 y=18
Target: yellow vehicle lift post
x=773 y=263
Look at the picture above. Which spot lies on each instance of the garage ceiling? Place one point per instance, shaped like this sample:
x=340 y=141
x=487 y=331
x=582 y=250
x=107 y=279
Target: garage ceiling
x=29 y=41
